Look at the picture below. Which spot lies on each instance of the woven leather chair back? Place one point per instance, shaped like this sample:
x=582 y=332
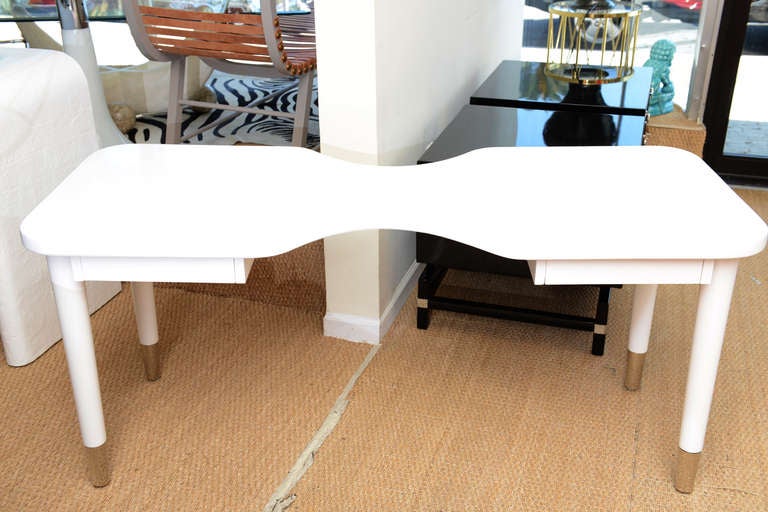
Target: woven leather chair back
x=266 y=45
x=217 y=35
x=287 y=42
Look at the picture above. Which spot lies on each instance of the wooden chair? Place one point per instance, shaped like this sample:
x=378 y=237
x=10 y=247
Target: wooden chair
x=266 y=45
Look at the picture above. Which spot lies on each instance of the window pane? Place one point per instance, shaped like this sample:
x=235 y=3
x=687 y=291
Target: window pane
x=747 y=133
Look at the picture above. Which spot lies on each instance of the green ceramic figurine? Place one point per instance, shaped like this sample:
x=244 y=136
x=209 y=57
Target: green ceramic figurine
x=662 y=89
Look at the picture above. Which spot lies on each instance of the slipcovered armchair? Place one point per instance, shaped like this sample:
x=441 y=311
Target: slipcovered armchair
x=266 y=45
x=48 y=129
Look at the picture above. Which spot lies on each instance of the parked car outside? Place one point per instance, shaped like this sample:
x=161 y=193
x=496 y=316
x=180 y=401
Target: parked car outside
x=688 y=10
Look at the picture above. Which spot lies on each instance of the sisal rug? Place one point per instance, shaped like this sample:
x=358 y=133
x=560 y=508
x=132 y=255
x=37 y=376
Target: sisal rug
x=479 y=414
x=244 y=128
x=244 y=386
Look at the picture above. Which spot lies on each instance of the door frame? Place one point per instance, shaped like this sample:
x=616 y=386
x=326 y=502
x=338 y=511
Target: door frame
x=737 y=170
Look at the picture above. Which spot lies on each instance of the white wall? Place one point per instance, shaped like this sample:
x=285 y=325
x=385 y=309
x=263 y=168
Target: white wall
x=392 y=74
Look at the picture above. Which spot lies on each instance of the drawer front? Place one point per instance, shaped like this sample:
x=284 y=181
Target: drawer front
x=176 y=270
x=622 y=272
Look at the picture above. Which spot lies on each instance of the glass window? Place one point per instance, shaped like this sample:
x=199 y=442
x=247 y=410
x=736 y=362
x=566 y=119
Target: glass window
x=46 y=9
x=747 y=132
x=110 y=9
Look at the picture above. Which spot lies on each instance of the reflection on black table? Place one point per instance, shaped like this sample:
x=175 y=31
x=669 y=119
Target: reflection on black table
x=524 y=85
x=478 y=126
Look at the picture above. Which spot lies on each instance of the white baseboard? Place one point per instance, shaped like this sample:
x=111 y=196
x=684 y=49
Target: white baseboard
x=372 y=330
x=351 y=327
x=402 y=291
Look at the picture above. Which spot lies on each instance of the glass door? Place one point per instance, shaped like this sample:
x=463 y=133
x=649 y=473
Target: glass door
x=736 y=112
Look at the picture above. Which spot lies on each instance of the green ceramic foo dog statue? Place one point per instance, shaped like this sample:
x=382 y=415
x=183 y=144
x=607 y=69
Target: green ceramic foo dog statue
x=662 y=89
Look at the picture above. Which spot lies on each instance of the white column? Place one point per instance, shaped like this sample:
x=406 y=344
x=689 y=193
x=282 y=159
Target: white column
x=405 y=94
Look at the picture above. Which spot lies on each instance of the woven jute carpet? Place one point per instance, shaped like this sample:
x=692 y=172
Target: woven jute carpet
x=244 y=387
x=471 y=414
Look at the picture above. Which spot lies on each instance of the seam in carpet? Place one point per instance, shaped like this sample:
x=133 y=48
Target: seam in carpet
x=282 y=498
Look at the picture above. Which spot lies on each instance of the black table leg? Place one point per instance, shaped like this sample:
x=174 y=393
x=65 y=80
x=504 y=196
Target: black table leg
x=601 y=321
x=429 y=281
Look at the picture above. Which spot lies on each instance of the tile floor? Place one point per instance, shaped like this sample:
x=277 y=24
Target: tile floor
x=748 y=138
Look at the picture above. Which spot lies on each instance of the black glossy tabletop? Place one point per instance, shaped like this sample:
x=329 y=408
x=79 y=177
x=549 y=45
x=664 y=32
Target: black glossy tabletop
x=478 y=126
x=524 y=85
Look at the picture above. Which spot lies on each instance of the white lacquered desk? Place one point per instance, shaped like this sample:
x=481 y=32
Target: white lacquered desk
x=198 y=213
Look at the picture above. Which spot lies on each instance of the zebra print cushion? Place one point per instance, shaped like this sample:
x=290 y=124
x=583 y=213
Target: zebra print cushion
x=250 y=128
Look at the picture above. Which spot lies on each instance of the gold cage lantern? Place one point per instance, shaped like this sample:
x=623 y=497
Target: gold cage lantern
x=591 y=42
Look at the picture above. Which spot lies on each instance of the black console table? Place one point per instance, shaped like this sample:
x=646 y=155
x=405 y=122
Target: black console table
x=618 y=119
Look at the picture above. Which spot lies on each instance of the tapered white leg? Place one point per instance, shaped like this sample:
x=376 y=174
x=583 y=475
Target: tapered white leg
x=81 y=360
x=146 y=323
x=643 y=302
x=711 y=319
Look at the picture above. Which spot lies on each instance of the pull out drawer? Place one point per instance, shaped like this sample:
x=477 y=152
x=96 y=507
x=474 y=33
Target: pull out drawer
x=176 y=270
x=621 y=271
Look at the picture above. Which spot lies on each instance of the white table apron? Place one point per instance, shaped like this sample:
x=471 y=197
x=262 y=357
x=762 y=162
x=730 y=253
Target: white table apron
x=136 y=245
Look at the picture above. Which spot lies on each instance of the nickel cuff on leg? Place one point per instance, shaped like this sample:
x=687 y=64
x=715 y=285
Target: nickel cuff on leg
x=634 y=373
x=97 y=465
x=150 y=356
x=687 y=466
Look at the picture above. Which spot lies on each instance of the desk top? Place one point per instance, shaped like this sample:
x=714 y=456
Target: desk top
x=249 y=201
x=524 y=85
